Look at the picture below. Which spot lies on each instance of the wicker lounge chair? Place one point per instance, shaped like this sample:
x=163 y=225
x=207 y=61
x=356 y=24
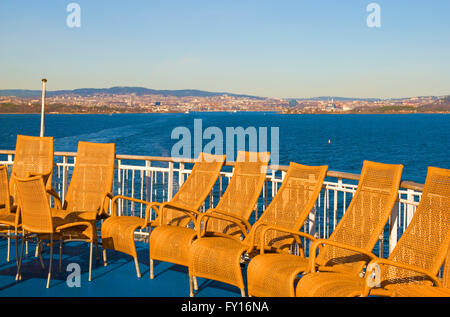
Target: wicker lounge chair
x=171 y=242
x=32 y=155
x=118 y=231
x=90 y=187
x=9 y=221
x=37 y=219
x=349 y=246
x=287 y=211
x=89 y=192
x=416 y=259
x=421 y=250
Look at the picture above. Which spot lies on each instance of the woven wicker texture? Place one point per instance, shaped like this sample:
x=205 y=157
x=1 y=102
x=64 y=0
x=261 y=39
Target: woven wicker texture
x=8 y=219
x=195 y=188
x=37 y=218
x=218 y=258
x=33 y=155
x=423 y=245
x=242 y=193
x=5 y=206
x=290 y=207
x=273 y=275
x=425 y=241
x=360 y=227
x=330 y=284
x=92 y=178
x=414 y=290
x=172 y=244
x=366 y=215
x=446 y=277
x=36 y=214
x=34 y=205
x=118 y=232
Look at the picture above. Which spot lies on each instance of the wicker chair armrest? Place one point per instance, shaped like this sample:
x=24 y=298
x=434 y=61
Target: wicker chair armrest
x=281 y=229
x=149 y=206
x=191 y=213
x=373 y=273
x=106 y=196
x=253 y=244
x=45 y=176
x=58 y=202
x=241 y=219
x=201 y=231
x=71 y=225
x=321 y=242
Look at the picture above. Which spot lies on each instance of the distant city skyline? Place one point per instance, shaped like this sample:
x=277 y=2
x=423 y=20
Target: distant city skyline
x=185 y=92
x=277 y=49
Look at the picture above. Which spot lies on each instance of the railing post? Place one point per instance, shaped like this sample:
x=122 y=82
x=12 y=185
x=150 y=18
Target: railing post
x=312 y=221
x=335 y=202
x=148 y=181
x=119 y=188
x=274 y=184
x=410 y=208
x=181 y=175
x=10 y=163
x=64 y=180
x=393 y=226
x=170 y=182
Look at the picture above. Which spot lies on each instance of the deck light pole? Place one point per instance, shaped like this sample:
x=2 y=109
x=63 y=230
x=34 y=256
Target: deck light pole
x=44 y=82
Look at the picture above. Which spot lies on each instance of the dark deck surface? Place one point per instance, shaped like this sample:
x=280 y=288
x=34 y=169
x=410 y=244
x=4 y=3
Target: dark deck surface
x=118 y=278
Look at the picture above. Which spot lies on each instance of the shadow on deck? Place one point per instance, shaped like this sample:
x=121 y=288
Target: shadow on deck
x=117 y=279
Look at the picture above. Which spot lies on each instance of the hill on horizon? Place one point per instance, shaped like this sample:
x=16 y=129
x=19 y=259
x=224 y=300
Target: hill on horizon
x=139 y=91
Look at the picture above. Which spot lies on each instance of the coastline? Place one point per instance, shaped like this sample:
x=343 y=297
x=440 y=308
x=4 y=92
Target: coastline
x=238 y=111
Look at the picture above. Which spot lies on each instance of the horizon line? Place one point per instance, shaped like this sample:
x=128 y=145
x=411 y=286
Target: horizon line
x=232 y=93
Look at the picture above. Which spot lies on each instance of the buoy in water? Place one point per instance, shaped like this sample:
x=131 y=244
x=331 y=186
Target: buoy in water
x=329 y=141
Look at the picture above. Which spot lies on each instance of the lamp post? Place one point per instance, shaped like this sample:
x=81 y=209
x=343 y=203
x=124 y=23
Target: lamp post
x=44 y=82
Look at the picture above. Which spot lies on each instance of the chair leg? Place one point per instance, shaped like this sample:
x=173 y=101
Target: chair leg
x=136 y=263
x=36 y=251
x=16 y=244
x=26 y=242
x=18 y=276
x=152 y=269
x=105 y=260
x=191 y=287
x=50 y=261
x=90 y=261
x=194 y=278
x=9 y=246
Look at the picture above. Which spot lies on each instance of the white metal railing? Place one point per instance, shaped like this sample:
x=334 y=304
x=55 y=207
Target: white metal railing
x=157 y=179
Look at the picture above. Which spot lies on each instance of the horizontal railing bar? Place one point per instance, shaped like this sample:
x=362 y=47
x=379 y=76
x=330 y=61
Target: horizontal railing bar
x=335 y=174
x=412 y=185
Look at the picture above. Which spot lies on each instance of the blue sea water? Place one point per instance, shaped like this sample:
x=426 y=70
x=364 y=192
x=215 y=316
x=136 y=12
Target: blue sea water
x=414 y=140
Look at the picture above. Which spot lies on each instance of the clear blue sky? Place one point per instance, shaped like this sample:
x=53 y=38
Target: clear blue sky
x=278 y=48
